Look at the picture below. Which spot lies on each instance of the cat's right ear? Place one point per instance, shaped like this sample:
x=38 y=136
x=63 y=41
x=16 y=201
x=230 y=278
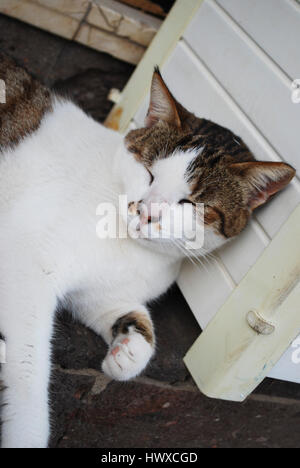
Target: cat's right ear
x=262 y=180
x=162 y=104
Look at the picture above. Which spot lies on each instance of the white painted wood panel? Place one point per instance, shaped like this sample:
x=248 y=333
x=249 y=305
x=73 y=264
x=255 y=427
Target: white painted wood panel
x=247 y=77
x=240 y=254
x=213 y=288
x=274 y=25
x=273 y=215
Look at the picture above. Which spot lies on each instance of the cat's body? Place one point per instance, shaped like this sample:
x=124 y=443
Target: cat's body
x=50 y=252
x=53 y=176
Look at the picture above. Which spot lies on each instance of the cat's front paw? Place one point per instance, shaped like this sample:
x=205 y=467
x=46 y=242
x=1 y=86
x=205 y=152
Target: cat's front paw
x=128 y=356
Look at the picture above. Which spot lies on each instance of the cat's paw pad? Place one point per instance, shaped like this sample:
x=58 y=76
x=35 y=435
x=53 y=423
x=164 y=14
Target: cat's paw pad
x=127 y=356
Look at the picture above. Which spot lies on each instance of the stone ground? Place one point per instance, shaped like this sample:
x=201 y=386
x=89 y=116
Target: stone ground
x=163 y=408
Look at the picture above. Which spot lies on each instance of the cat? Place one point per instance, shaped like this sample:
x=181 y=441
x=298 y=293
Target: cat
x=56 y=166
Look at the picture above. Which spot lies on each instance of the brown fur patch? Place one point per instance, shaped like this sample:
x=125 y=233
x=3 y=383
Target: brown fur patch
x=26 y=103
x=138 y=320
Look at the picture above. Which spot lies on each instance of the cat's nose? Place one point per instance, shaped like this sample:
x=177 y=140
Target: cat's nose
x=133 y=208
x=149 y=213
x=150 y=219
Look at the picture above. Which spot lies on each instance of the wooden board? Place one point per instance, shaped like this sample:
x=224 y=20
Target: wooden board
x=230 y=358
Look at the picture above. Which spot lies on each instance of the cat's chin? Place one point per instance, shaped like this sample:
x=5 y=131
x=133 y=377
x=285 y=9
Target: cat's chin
x=164 y=246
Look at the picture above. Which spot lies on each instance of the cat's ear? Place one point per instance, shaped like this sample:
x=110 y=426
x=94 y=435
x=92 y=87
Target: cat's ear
x=263 y=179
x=162 y=104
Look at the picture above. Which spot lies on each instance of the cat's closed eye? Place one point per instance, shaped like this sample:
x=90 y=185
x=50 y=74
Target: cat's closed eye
x=151 y=177
x=185 y=200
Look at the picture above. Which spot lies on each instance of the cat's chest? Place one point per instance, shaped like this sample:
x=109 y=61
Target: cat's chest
x=124 y=260
x=123 y=269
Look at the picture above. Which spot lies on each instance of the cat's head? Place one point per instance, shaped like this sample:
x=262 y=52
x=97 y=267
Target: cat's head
x=182 y=159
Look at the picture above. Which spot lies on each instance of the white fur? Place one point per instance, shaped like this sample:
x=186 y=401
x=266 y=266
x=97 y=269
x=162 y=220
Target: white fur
x=170 y=184
x=51 y=185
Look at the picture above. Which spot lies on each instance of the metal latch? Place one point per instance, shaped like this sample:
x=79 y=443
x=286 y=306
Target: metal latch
x=259 y=324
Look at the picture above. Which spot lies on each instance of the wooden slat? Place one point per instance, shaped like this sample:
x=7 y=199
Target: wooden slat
x=196 y=284
x=230 y=359
x=239 y=255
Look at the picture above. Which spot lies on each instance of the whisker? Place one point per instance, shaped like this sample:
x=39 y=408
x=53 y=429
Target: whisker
x=196 y=258
x=180 y=247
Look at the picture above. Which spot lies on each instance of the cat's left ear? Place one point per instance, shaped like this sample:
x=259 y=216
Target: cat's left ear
x=162 y=104
x=262 y=179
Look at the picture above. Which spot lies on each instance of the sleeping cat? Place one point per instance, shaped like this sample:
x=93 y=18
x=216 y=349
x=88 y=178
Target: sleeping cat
x=56 y=166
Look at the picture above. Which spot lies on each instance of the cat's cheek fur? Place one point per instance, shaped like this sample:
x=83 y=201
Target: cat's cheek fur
x=135 y=178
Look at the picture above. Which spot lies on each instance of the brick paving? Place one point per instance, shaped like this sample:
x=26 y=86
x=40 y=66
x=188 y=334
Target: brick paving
x=163 y=408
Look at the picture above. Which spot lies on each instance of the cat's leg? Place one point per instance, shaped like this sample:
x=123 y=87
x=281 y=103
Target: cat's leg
x=27 y=307
x=130 y=335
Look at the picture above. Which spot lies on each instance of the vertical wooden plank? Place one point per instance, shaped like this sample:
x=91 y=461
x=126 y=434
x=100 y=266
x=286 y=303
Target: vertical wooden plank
x=159 y=50
x=230 y=359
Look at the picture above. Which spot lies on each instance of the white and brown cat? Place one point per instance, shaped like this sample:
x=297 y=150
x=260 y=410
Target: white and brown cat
x=56 y=166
